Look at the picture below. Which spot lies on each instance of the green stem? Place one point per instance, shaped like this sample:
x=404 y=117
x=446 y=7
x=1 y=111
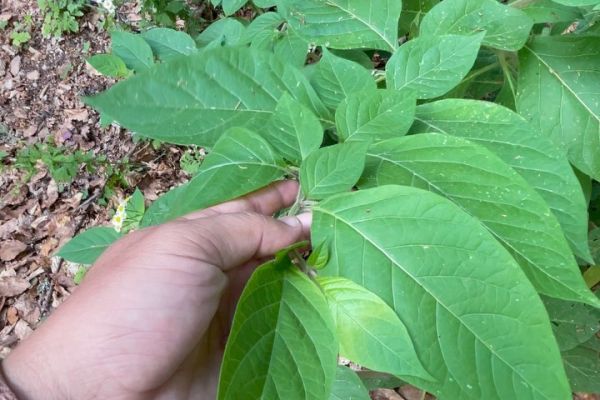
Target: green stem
x=506 y=71
x=480 y=71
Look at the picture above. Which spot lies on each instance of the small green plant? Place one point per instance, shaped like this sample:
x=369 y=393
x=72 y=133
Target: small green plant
x=446 y=229
x=60 y=16
x=21 y=32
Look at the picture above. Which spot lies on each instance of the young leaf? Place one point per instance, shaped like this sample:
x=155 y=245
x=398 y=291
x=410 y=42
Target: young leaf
x=348 y=386
x=282 y=343
x=109 y=65
x=413 y=12
x=336 y=78
x=333 y=169
x=541 y=163
x=369 y=331
x=572 y=323
x=559 y=92
x=583 y=366
x=134 y=211
x=223 y=32
x=168 y=43
x=194 y=99
x=505 y=27
x=432 y=65
x=345 y=24
x=475 y=320
x=492 y=192
x=293 y=131
x=241 y=162
x=86 y=247
x=133 y=50
x=375 y=115
x=318 y=257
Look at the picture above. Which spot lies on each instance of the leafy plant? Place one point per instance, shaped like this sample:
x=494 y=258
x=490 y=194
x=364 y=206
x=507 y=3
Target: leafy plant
x=60 y=16
x=21 y=32
x=438 y=169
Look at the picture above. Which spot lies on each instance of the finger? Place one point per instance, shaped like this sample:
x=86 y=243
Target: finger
x=230 y=240
x=267 y=201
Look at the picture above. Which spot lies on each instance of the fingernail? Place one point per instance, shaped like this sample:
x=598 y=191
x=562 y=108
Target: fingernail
x=292 y=221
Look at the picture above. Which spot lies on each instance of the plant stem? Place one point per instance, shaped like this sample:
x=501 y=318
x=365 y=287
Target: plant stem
x=506 y=70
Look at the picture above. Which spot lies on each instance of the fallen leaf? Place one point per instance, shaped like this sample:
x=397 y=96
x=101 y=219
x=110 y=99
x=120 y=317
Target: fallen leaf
x=10 y=249
x=51 y=194
x=385 y=394
x=12 y=315
x=15 y=66
x=22 y=329
x=27 y=309
x=12 y=286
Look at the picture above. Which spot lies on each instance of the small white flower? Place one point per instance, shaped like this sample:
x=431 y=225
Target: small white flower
x=120 y=215
x=109 y=6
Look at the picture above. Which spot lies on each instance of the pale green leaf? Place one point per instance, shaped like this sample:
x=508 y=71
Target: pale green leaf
x=168 y=43
x=375 y=115
x=583 y=366
x=231 y=6
x=333 y=169
x=223 y=32
x=492 y=192
x=86 y=247
x=348 y=386
x=194 y=99
x=109 y=65
x=578 y=3
x=369 y=331
x=572 y=323
x=505 y=27
x=264 y=3
x=475 y=320
x=542 y=11
x=133 y=50
x=432 y=65
x=345 y=24
x=559 y=92
x=134 y=211
x=541 y=163
x=336 y=78
x=241 y=162
x=294 y=131
x=282 y=343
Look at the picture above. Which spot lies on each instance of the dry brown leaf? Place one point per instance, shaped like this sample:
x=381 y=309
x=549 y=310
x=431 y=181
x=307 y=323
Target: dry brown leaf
x=22 y=329
x=385 y=394
x=10 y=249
x=13 y=286
x=51 y=194
x=27 y=309
x=12 y=315
x=410 y=392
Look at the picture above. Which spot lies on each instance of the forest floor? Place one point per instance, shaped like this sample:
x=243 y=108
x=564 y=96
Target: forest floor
x=41 y=85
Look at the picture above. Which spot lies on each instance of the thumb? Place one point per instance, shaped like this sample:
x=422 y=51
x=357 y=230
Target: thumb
x=230 y=240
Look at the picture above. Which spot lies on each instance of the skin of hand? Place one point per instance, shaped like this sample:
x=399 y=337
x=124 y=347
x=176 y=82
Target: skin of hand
x=151 y=318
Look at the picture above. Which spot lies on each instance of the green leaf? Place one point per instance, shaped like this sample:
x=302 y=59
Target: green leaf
x=413 y=12
x=542 y=11
x=486 y=188
x=264 y=3
x=223 y=32
x=475 y=320
x=241 y=162
x=86 y=247
x=318 y=257
x=194 y=99
x=134 y=211
x=541 y=163
x=559 y=92
x=505 y=27
x=333 y=169
x=369 y=331
x=578 y=3
x=231 y=6
x=168 y=43
x=348 y=386
x=572 y=323
x=345 y=24
x=282 y=343
x=375 y=115
x=432 y=65
x=336 y=78
x=294 y=131
x=133 y=50
x=583 y=366
x=109 y=65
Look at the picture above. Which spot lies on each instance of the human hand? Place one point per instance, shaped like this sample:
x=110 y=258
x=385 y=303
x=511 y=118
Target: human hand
x=151 y=318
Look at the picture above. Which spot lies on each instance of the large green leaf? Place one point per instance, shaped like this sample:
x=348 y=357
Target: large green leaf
x=345 y=24
x=542 y=11
x=132 y=49
x=294 y=131
x=375 y=115
x=432 y=65
x=476 y=322
x=231 y=6
x=86 y=247
x=505 y=27
x=282 y=343
x=194 y=99
x=369 y=331
x=532 y=155
x=109 y=65
x=336 y=78
x=578 y=3
x=223 y=32
x=241 y=162
x=559 y=92
x=348 y=386
x=492 y=192
x=168 y=43
x=583 y=366
x=333 y=169
x=572 y=323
